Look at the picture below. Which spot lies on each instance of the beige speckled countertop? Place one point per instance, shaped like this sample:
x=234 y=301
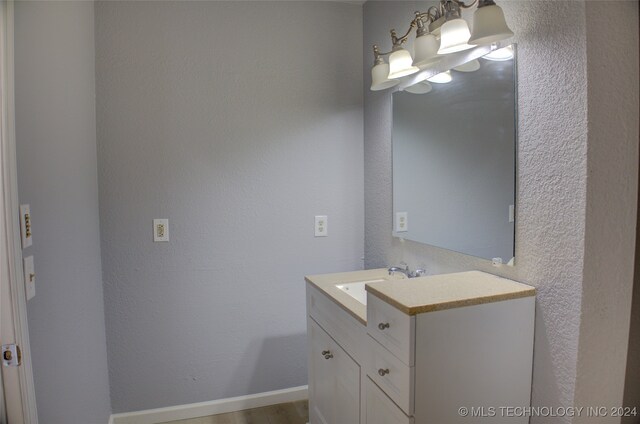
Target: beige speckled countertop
x=419 y=295
x=446 y=291
x=327 y=284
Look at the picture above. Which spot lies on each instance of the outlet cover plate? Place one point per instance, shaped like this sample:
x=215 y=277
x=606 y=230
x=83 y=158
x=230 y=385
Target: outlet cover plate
x=402 y=223
x=321 y=226
x=160 y=230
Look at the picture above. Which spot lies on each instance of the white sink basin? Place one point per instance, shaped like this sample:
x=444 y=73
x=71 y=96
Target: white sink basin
x=357 y=290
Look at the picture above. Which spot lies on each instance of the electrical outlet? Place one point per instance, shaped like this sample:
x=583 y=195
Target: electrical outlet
x=160 y=230
x=402 y=222
x=321 y=226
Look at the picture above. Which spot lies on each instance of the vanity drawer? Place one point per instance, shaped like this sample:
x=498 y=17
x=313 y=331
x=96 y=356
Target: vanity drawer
x=380 y=409
x=344 y=329
x=391 y=375
x=394 y=329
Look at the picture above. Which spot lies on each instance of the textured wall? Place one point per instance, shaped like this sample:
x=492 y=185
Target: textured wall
x=238 y=121
x=56 y=143
x=612 y=185
x=552 y=173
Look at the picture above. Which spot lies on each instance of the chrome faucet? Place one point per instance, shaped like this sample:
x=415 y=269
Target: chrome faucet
x=406 y=271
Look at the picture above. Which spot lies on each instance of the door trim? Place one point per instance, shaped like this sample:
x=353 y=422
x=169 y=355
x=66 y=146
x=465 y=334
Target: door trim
x=10 y=205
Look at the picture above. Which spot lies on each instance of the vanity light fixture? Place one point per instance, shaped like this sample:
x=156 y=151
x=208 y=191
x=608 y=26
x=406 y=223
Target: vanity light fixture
x=422 y=87
x=454 y=34
x=400 y=60
x=489 y=24
x=441 y=78
x=470 y=66
x=440 y=30
x=380 y=73
x=425 y=46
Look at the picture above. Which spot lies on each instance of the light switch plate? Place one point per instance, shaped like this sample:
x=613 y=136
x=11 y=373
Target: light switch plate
x=25 y=226
x=321 y=226
x=402 y=222
x=29 y=277
x=160 y=230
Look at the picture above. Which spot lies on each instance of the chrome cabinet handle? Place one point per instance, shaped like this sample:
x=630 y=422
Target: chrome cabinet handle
x=383 y=372
x=384 y=325
x=327 y=354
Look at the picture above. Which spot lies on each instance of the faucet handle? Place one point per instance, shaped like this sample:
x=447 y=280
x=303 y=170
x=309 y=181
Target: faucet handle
x=420 y=272
x=393 y=269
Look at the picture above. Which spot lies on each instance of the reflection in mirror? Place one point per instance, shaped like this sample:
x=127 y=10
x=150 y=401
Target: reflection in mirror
x=454 y=158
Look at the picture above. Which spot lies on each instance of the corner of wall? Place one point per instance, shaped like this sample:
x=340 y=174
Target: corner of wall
x=57 y=175
x=612 y=189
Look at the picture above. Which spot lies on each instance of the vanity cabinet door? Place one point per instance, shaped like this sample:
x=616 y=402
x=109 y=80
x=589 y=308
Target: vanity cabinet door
x=380 y=409
x=334 y=381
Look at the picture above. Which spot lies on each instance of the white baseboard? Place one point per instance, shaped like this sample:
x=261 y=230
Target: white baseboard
x=202 y=409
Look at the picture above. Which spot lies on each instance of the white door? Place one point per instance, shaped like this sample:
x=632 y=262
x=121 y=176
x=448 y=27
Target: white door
x=17 y=382
x=12 y=411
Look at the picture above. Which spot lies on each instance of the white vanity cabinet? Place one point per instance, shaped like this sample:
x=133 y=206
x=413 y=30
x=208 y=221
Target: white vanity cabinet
x=426 y=349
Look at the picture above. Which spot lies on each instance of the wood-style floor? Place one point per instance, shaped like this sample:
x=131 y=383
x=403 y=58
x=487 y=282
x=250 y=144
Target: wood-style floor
x=284 y=413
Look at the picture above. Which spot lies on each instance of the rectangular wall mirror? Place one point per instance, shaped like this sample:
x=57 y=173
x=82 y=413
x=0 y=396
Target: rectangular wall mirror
x=454 y=158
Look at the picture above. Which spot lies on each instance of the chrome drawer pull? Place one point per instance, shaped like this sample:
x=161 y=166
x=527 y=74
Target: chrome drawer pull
x=383 y=372
x=382 y=326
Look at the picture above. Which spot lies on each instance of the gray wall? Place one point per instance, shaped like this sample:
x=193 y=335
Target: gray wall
x=552 y=188
x=56 y=143
x=456 y=178
x=237 y=121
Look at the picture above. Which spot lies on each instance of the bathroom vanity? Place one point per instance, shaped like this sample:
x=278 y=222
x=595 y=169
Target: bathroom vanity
x=387 y=350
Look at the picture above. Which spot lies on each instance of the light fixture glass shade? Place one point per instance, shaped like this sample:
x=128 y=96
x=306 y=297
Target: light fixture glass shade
x=470 y=66
x=422 y=87
x=500 y=55
x=426 y=50
x=454 y=36
x=442 y=78
x=400 y=64
x=489 y=26
x=379 y=80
